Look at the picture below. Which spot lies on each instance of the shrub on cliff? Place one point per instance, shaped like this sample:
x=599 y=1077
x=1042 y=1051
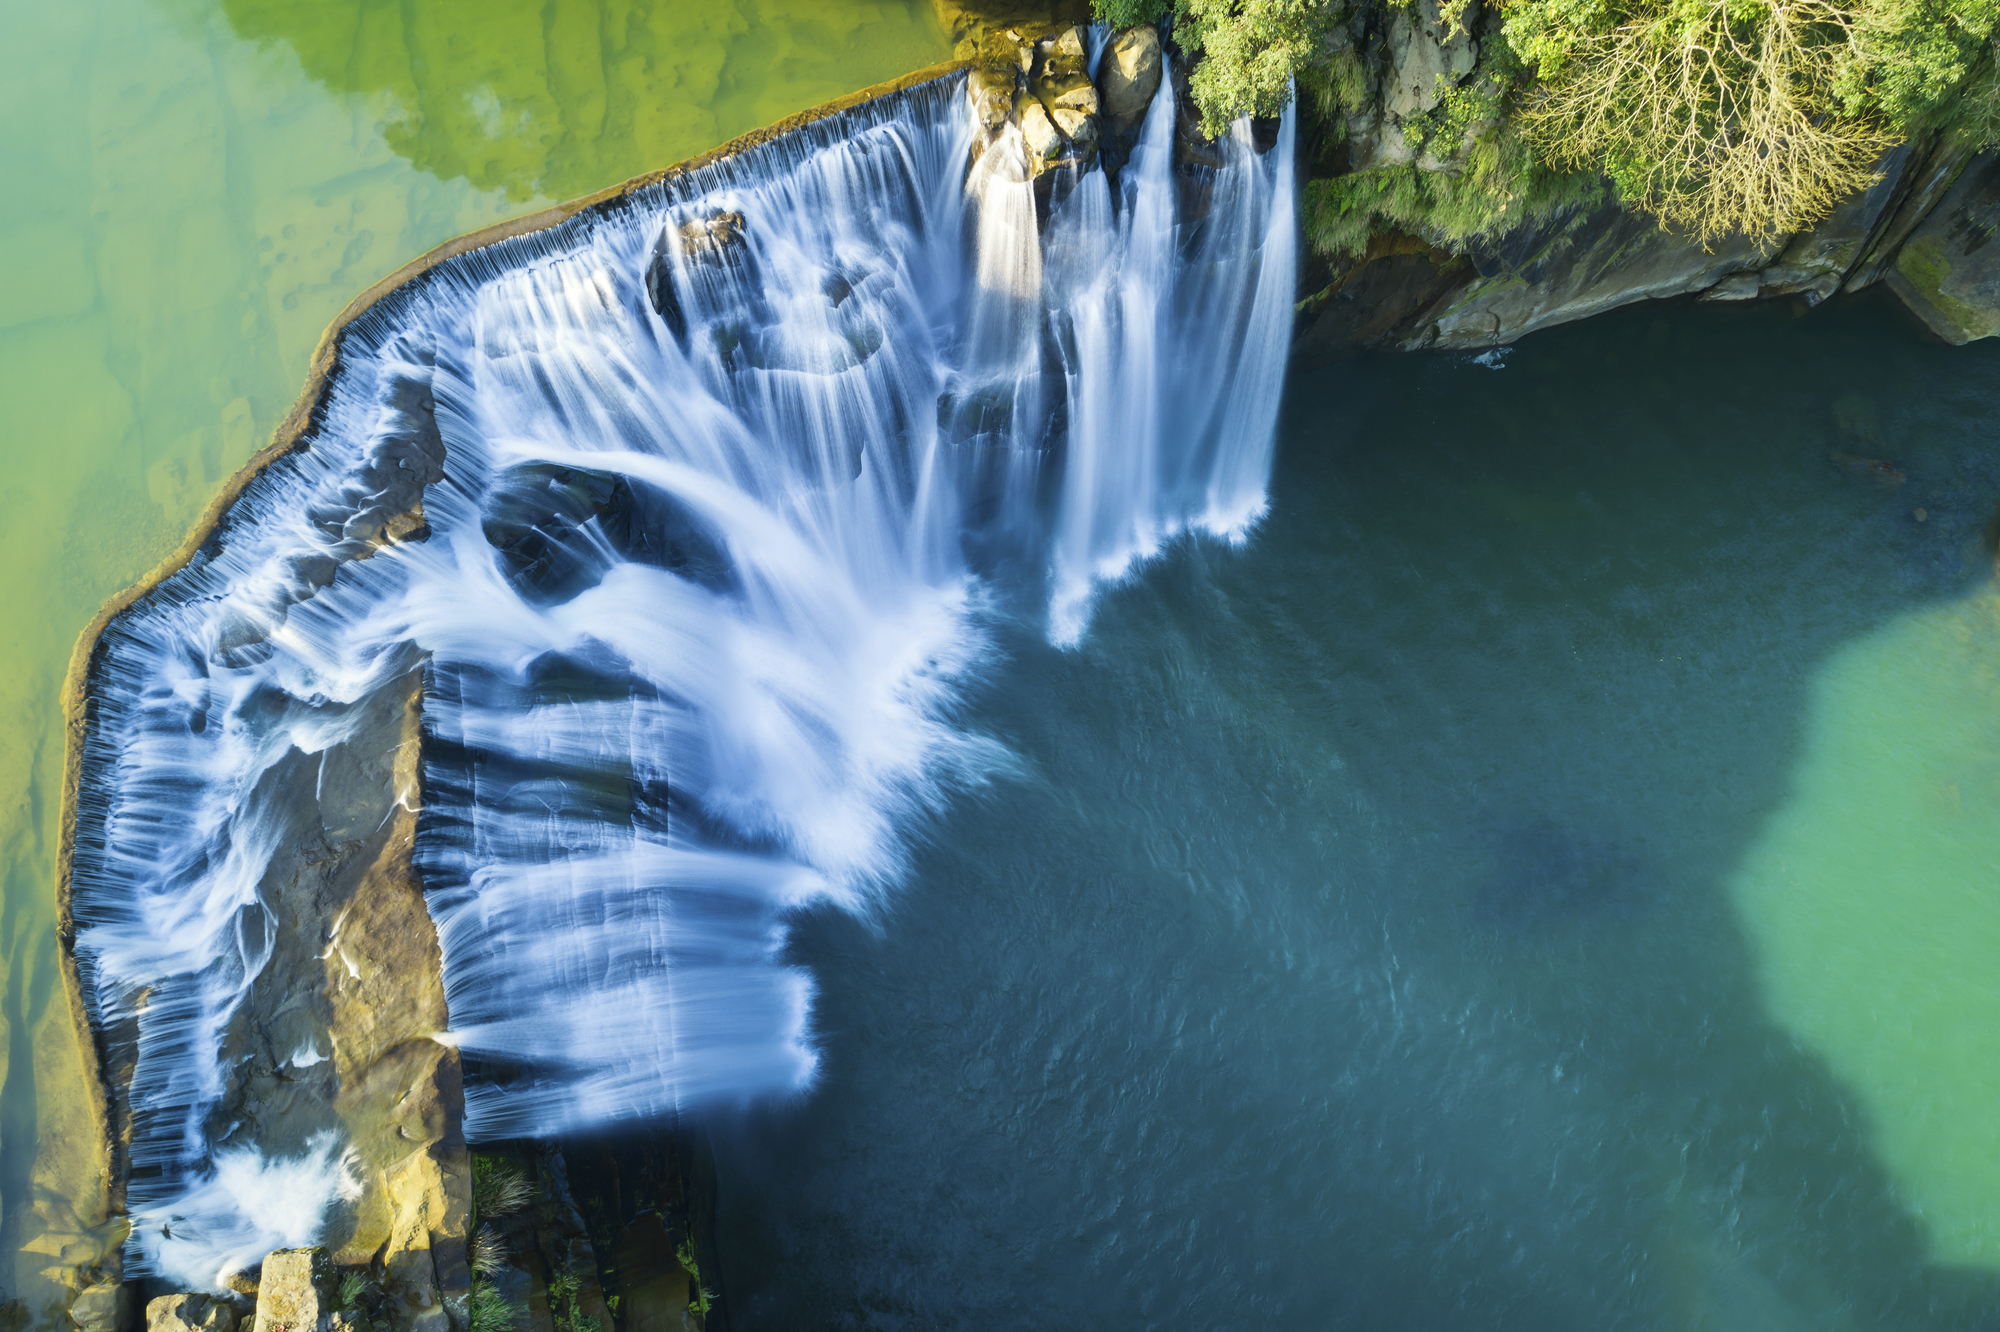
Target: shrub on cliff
x=1739 y=115
x=1714 y=115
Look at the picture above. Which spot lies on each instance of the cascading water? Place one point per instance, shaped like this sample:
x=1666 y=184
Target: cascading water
x=724 y=490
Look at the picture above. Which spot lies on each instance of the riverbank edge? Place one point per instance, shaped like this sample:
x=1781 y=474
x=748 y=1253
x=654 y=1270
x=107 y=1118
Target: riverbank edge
x=106 y=1131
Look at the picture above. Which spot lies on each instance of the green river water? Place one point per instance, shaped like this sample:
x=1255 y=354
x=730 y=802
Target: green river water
x=195 y=190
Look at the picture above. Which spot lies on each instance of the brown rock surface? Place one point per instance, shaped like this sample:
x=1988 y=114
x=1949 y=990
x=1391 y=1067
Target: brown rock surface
x=295 y=1292
x=189 y=1313
x=1128 y=75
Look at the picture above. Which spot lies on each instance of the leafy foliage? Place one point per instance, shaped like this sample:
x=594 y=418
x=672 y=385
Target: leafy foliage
x=1130 y=13
x=488 y=1310
x=1501 y=187
x=702 y=1298
x=1251 y=51
x=499 y=1188
x=489 y=1252
x=565 y=1305
x=1714 y=115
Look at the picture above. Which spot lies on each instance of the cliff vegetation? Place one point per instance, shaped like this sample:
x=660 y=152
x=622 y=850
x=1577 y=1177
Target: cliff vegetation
x=1457 y=119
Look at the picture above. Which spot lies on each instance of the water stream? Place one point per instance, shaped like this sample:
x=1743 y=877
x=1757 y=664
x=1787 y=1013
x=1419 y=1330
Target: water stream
x=731 y=493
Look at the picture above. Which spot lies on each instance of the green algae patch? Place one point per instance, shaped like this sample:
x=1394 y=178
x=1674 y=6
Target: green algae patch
x=551 y=101
x=1923 y=265
x=1873 y=897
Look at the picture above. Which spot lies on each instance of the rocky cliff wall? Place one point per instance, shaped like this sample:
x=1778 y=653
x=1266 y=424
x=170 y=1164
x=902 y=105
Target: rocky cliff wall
x=1922 y=228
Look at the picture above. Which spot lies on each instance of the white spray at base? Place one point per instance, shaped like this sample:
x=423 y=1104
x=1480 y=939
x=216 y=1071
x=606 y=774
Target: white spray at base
x=719 y=516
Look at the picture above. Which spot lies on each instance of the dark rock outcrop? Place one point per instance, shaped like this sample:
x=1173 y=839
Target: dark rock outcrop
x=1948 y=271
x=1576 y=265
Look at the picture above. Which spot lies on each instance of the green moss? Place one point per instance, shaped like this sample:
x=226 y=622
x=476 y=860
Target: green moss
x=1498 y=187
x=1923 y=266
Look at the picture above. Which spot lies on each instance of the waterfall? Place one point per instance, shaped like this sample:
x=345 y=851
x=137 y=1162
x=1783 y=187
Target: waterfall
x=726 y=491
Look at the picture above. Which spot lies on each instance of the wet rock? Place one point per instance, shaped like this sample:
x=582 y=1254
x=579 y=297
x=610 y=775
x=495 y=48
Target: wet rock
x=1063 y=55
x=295 y=1291
x=1948 y=271
x=712 y=239
x=1079 y=127
x=1377 y=301
x=427 y=1245
x=1578 y=264
x=1038 y=131
x=990 y=88
x=189 y=1313
x=1128 y=75
x=655 y=1295
x=1073 y=92
x=107 y=1306
x=1191 y=146
x=717 y=241
x=1816 y=262
x=1939 y=163
x=1736 y=287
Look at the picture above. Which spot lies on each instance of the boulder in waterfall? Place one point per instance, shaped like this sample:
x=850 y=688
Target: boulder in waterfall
x=990 y=88
x=1948 y=271
x=1128 y=76
x=189 y=1313
x=1071 y=92
x=717 y=238
x=1063 y=55
x=1038 y=130
x=1079 y=127
x=295 y=1291
x=103 y=1307
x=1578 y=263
x=716 y=241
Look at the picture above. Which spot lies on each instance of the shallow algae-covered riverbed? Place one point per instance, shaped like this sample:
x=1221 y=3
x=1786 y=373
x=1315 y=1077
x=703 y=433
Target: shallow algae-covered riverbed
x=195 y=190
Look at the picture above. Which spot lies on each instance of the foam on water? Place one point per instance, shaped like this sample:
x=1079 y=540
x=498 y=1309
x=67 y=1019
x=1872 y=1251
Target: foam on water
x=715 y=542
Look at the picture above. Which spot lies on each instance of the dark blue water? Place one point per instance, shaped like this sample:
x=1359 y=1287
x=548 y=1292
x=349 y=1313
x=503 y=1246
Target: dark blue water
x=1355 y=950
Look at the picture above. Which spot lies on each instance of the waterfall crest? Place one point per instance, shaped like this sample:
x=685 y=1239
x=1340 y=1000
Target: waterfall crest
x=724 y=491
